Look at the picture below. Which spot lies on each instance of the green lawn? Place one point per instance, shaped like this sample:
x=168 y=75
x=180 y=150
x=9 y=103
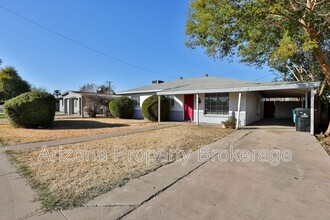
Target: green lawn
x=2 y=116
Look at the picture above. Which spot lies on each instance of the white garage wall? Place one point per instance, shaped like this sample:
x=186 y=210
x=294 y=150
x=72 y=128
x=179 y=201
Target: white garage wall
x=283 y=109
x=254 y=107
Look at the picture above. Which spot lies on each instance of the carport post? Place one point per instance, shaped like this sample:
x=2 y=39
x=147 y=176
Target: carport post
x=197 y=110
x=238 y=110
x=159 y=108
x=81 y=107
x=312 y=111
x=306 y=100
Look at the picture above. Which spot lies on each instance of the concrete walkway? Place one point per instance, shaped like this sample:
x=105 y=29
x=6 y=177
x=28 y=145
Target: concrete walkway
x=84 y=138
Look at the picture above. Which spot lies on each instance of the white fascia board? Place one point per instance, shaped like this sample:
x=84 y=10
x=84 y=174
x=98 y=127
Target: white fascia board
x=138 y=92
x=305 y=85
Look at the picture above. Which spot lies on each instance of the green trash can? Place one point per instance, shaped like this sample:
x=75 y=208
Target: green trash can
x=294 y=115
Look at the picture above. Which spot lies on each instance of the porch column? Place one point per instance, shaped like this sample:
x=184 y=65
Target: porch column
x=82 y=107
x=312 y=111
x=197 y=109
x=238 y=110
x=64 y=106
x=159 y=108
x=70 y=105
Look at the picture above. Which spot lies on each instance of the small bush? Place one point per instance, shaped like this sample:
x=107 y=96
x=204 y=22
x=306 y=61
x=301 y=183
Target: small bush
x=91 y=111
x=122 y=107
x=230 y=123
x=31 y=110
x=150 y=108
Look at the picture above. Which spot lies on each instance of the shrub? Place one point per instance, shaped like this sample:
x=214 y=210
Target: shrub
x=230 y=123
x=31 y=110
x=122 y=107
x=150 y=108
x=91 y=111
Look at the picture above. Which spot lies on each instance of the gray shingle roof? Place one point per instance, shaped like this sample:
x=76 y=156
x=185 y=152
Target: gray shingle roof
x=215 y=84
x=202 y=82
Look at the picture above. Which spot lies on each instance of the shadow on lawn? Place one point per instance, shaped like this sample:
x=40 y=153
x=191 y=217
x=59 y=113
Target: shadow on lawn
x=81 y=124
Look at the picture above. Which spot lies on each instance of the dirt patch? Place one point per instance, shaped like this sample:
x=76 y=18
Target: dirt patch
x=67 y=128
x=72 y=183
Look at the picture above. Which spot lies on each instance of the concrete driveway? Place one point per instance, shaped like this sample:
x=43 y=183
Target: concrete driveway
x=299 y=189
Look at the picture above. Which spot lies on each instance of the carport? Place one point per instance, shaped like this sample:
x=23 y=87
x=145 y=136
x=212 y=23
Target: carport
x=304 y=92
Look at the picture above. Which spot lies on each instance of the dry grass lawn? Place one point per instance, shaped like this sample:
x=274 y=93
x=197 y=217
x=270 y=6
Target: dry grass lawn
x=72 y=183
x=67 y=128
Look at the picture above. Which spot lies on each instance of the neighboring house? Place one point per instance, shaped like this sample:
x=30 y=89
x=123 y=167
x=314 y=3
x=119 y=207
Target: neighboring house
x=73 y=102
x=220 y=98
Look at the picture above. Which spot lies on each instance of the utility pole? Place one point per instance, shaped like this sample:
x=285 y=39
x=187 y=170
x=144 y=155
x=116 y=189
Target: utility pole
x=109 y=86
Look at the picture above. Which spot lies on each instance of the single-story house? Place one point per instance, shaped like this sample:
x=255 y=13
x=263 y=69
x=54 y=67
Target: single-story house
x=214 y=99
x=73 y=102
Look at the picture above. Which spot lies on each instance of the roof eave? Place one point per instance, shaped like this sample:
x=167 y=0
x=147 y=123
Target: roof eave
x=304 y=85
x=138 y=92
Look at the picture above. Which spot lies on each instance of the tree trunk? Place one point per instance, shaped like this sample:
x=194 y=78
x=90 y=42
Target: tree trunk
x=326 y=70
x=328 y=130
x=323 y=62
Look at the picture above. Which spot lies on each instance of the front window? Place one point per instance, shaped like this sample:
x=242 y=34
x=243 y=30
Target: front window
x=170 y=100
x=217 y=103
x=136 y=100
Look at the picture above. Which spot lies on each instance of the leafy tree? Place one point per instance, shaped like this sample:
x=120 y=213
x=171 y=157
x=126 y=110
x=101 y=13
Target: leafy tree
x=88 y=87
x=291 y=36
x=38 y=89
x=11 y=84
x=262 y=31
x=91 y=87
x=57 y=92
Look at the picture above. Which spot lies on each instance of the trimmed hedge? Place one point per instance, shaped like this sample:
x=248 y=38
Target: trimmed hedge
x=150 y=108
x=31 y=110
x=122 y=107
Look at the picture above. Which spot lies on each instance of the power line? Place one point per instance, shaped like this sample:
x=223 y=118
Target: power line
x=84 y=45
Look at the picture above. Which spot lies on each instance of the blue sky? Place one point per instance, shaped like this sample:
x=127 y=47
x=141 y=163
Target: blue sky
x=147 y=33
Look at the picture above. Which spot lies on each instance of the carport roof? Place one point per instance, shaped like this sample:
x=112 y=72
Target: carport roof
x=218 y=85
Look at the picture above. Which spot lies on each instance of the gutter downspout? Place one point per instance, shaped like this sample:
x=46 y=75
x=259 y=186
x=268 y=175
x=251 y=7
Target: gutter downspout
x=312 y=111
x=197 y=110
x=159 y=112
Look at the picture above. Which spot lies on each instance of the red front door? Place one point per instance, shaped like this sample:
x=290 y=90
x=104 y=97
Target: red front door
x=189 y=107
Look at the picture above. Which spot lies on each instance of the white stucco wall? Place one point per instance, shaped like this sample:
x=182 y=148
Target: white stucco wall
x=137 y=110
x=69 y=98
x=219 y=119
x=60 y=104
x=254 y=107
x=251 y=109
x=176 y=111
